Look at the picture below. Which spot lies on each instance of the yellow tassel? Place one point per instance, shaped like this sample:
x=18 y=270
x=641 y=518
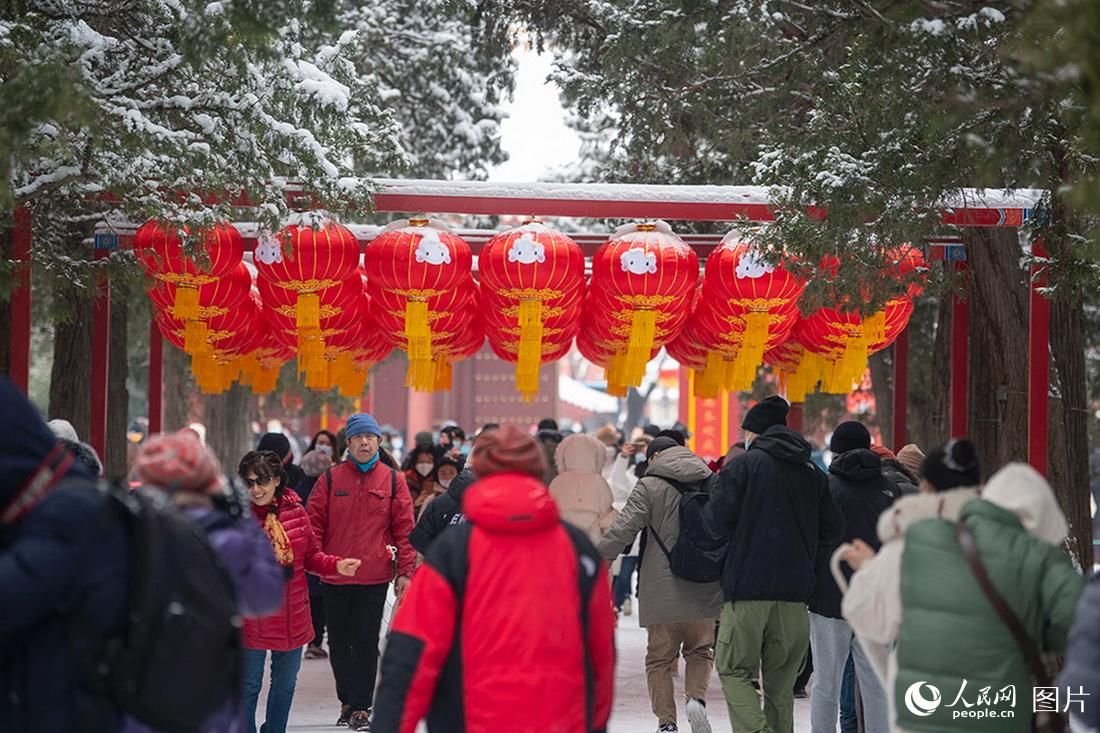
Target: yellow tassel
x=308 y=311
x=529 y=357
x=354 y=385
x=616 y=382
x=194 y=337
x=754 y=342
x=443 y=375
x=874 y=328
x=185 y=304
x=265 y=381
x=709 y=382
x=643 y=331
x=417 y=331
x=311 y=356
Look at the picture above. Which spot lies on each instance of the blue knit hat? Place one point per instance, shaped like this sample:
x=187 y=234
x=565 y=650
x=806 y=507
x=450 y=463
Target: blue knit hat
x=361 y=423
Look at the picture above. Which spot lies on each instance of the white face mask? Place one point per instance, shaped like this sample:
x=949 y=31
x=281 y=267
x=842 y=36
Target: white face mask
x=424 y=469
x=326 y=449
x=445 y=483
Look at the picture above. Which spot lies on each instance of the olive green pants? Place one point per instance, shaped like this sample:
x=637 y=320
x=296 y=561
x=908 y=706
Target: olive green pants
x=770 y=636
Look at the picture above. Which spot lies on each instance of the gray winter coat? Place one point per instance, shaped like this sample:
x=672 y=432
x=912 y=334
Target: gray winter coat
x=663 y=598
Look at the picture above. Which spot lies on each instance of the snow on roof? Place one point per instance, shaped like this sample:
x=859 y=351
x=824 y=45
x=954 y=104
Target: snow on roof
x=1024 y=198
x=580 y=395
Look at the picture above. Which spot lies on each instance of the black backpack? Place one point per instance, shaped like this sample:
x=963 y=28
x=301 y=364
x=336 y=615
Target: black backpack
x=181 y=658
x=698 y=555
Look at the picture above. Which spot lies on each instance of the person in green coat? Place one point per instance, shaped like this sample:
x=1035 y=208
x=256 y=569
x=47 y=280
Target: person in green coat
x=955 y=666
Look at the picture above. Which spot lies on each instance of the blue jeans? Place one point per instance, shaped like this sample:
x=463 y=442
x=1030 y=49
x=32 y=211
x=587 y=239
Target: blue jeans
x=284 y=676
x=849 y=723
x=624 y=581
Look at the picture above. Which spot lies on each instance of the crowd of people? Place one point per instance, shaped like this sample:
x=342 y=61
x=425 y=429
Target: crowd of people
x=512 y=555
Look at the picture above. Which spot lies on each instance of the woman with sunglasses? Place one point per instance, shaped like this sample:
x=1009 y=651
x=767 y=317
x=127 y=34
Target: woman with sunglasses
x=280 y=513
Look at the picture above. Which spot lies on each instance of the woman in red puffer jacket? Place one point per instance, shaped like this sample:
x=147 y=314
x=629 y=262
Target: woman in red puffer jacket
x=280 y=513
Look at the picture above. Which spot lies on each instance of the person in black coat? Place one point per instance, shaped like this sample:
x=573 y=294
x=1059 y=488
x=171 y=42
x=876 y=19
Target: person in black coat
x=279 y=444
x=444 y=511
x=862 y=492
x=774 y=505
x=64 y=561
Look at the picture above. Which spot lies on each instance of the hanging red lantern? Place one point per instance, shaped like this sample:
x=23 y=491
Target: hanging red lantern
x=215 y=299
x=418 y=260
x=533 y=267
x=160 y=251
x=319 y=258
x=648 y=272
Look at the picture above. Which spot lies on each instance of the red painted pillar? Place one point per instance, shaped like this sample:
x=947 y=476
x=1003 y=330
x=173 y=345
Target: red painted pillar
x=1038 y=364
x=960 y=359
x=156 y=378
x=795 y=417
x=101 y=359
x=901 y=390
x=20 y=351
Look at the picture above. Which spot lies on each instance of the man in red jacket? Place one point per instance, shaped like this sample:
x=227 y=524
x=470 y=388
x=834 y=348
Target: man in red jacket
x=508 y=626
x=361 y=508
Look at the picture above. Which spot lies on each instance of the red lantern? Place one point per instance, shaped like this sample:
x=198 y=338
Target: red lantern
x=644 y=271
x=417 y=261
x=160 y=251
x=534 y=268
x=318 y=259
x=215 y=299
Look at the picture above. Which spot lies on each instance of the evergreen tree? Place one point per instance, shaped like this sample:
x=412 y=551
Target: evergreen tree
x=879 y=111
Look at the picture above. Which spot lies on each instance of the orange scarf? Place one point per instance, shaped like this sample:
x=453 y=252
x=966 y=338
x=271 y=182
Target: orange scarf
x=280 y=543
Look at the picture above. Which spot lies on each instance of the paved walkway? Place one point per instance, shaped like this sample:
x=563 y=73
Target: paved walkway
x=315 y=708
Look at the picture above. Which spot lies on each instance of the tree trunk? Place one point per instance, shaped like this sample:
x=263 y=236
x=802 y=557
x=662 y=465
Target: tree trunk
x=116 y=463
x=177 y=389
x=882 y=384
x=228 y=430
x=5 y=303
x=71 y=376
x=635 y=407
x=1068 y=446
x=998 y=297
x=929 y=372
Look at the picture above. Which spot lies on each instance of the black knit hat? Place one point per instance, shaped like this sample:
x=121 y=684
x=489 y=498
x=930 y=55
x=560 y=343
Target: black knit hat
x=673 y=434
x=952 y=466
x=766 y=413
x=848 y=436
x=658 y=445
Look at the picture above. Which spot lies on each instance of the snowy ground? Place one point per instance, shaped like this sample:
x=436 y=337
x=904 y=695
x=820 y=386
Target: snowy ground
x=315 y=707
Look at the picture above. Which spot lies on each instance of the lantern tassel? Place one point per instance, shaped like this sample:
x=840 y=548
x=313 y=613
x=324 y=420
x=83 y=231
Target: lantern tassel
x=874 y=328
x=185 y=303
x=443 y=373
x=308 y=311
x=616 y=383
x=710 y=382
x=194 y=337
x=529 y=357
x=643 y=332
x=753 y=344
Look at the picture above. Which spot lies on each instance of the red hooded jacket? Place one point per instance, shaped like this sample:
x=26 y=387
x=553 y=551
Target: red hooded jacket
x=361 y=514
x=291 y=626
x=508 y=626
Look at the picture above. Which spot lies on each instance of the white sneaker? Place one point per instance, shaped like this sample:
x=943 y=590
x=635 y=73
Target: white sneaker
x=628 y=607
x=697 y=716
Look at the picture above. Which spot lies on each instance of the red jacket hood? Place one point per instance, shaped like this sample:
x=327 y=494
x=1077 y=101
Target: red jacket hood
x=510 y=503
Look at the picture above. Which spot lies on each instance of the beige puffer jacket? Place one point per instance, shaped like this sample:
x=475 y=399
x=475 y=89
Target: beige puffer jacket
x=580 y=491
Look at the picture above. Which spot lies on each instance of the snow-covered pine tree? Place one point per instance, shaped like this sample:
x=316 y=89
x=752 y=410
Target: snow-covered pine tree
x=878 y=111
